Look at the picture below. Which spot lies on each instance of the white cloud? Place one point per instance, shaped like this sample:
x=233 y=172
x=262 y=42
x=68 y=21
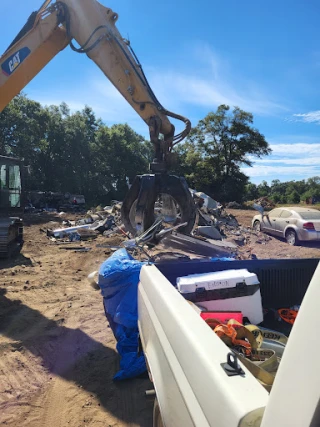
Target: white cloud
x=287 y=162
x=294 y=154
x=211 y=92
x=210 y=81
x=294 y=161
x=203 y=81
x=311 y=117
x=276 y=172
x=294 y=139
x=295 y=150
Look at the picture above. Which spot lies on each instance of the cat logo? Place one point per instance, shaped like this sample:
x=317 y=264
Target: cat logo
x=13 y=62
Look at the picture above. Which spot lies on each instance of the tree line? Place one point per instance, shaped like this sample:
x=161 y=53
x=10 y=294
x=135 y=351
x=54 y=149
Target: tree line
x=72 y=152
x=285 y=192
x=76 y=152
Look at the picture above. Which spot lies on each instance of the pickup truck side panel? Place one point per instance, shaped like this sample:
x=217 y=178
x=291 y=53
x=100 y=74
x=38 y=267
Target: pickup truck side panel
x=295 y=395
x=185 y=357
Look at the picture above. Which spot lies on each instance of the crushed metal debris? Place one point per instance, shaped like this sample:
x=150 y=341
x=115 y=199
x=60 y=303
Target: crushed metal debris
x=216 y=231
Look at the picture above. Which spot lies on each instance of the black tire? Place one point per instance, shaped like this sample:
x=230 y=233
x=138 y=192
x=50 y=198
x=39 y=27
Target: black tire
x=257 y=226
x=157 y=419
x=292 y=238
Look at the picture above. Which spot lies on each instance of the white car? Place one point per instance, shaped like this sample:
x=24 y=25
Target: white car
x=292 y=223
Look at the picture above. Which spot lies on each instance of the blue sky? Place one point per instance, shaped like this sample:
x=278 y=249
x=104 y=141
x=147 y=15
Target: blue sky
x=261 y=56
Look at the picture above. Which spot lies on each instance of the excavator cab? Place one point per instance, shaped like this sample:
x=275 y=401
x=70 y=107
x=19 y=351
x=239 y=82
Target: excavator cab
x=11 y=206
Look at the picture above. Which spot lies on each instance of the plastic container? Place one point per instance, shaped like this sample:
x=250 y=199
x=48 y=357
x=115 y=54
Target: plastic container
x=229 y=290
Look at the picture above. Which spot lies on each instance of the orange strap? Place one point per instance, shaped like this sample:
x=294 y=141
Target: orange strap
x=230 y=336
x=288 y=315
x=248 y=343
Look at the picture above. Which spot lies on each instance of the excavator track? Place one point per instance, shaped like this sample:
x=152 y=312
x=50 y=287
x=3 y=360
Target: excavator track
x=11 y=236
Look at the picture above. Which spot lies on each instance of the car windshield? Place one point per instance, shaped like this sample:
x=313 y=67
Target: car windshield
x=310 y=215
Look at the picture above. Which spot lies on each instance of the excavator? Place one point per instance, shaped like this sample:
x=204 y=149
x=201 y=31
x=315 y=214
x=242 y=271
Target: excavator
x=89 y=28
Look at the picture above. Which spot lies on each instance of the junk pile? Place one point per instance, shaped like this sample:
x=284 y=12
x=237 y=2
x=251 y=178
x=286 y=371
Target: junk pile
x=86 y=228
x=113 y=209
x=266 y=203
x=212 y=217
x=216 y=233
x=214 y=222
x=207 y=239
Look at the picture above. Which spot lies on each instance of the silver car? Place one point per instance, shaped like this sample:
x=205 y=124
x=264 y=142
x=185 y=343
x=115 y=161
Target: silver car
x=293 y=224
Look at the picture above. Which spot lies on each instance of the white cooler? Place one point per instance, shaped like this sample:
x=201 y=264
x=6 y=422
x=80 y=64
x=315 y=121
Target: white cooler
x=229 y=290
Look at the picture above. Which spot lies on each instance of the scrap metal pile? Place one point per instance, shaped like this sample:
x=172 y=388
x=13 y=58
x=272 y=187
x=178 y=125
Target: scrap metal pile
x=86 y=228
x=216 y=232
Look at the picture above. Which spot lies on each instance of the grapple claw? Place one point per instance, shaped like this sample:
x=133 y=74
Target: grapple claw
x=137 y=211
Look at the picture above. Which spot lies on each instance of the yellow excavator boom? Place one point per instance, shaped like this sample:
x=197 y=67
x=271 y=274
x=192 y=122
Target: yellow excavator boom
x=93 y=26
x=30 y=54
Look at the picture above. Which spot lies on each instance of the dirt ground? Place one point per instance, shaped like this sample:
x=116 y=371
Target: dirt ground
x=57 y=353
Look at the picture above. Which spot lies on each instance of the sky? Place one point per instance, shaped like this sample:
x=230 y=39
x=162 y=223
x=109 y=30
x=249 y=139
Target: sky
x=263 y=57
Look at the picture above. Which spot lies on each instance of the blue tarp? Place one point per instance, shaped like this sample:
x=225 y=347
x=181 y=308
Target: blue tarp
x=118 y=281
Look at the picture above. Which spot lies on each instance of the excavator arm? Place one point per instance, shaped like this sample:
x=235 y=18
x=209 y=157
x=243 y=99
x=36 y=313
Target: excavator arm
x=38 y=42
x=92 y=25
x=58 y=24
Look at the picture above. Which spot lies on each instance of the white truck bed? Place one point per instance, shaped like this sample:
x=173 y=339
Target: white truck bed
x=184 y=358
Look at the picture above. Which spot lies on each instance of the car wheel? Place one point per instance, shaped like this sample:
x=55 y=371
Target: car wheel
x=257 y=226
x=157 y=420
x=291 y=237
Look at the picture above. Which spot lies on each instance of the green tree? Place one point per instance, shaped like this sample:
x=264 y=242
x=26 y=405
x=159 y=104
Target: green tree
x=121 y=155
x=222 y=142
x=72 y=152
x=263 y=189
x=276 y=197
x=251 y=191
x=22 y=125
x=293 y=197
x=306 y=195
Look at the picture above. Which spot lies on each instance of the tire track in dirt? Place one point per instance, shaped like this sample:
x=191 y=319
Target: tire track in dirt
x=53 y=404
